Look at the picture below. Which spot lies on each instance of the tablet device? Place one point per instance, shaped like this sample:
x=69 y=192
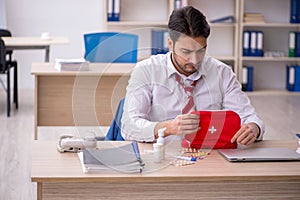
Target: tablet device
x=259 y=154
x=216 y=128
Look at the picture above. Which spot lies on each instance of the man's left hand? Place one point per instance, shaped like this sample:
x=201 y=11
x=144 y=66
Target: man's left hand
x=247 y=134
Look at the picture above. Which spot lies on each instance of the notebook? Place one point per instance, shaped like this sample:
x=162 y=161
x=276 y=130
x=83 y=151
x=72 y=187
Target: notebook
x=122 y=158
x=216 y=130
x=260 y=154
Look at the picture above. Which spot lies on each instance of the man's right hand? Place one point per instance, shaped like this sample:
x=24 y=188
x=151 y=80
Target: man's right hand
x=182 y=124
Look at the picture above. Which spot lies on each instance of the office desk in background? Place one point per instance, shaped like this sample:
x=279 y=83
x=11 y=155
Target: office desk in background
x=84 y=98
x=23 y=43
x=60 y=176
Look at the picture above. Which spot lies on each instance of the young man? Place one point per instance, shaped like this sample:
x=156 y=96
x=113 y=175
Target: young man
x=156 y=95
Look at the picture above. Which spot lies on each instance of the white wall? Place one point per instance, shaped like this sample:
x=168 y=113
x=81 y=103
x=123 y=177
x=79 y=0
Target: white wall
x=68 y=18
x=2 y=14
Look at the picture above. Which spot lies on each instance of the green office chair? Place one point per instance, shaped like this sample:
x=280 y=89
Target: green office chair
x=111 y=47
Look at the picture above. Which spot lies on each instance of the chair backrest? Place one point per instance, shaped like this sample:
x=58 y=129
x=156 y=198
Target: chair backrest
x=6 y=33
x=111 y=47
x=2 y=56
x=114 y=132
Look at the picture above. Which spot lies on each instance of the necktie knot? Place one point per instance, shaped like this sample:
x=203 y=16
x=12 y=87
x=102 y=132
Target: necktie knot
x=189 y=104
x=187 y=88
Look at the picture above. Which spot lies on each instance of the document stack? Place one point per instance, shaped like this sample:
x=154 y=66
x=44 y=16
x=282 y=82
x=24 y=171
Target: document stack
x=254 y=18
x=112 y=156
x=253 y=43
x=159 y=41
x=294 y=44
x=113 y=10
x=293 y=78
x=78 y=64
x=295 y=11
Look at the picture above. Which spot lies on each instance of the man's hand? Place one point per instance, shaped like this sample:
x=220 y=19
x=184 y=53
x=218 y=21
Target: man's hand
x=247 y=134
x=182 y=124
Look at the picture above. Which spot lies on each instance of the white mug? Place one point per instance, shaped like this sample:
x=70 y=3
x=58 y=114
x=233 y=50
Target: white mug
x=45 y=35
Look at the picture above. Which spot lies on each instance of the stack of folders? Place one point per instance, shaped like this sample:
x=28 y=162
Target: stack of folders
x=180 y=3
x=253 y=43
x=122 y=158
x=254 y=18
x=77 y=64
x=293 y=78
x=295 y=11
x=113 y=10
x=294 y=44
x=247 y=79
x=159 y=41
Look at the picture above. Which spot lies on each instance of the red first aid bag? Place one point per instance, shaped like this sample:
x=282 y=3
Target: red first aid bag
x=216 y=128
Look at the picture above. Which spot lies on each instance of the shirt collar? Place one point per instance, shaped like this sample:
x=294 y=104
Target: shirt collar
x=196 y=76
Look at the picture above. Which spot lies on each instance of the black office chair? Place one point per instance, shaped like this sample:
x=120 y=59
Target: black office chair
x=5 y=66
x=6 y=33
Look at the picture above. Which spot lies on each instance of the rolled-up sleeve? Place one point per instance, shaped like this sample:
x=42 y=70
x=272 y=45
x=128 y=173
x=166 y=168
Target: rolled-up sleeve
x=136 y=124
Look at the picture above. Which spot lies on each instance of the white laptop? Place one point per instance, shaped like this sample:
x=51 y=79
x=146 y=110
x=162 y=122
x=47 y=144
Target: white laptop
x=260 y=154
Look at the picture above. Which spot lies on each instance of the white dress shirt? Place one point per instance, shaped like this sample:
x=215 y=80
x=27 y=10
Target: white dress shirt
x=153 y=95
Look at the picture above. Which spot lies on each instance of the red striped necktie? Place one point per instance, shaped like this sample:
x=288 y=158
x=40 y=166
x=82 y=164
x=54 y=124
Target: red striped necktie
x=189 y=105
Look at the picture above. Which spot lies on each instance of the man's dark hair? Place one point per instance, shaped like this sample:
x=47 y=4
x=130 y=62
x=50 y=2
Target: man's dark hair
x=188 y=21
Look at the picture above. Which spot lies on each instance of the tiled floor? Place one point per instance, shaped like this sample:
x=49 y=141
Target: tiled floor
x=279 y=110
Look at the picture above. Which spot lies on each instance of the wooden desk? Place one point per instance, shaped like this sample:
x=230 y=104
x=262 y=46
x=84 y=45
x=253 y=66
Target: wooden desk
x=15 y=43
x=60 y=176
x=85 y=98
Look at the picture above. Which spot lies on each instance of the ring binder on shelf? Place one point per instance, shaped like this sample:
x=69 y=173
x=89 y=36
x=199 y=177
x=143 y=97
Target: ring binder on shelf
x=293 y=78
x=292 y=43
x=253 y=43
x=247 y=79
x=259 y=43
x=246 y=43
x=113 y=10
x=295 y=11
x=297 y=44
x=159 y=41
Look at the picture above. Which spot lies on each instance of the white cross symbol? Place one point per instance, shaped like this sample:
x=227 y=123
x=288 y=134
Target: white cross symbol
x=212 y=130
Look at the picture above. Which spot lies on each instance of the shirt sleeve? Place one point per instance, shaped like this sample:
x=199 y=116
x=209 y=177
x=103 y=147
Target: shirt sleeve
x=136 y=124
x=237 y=100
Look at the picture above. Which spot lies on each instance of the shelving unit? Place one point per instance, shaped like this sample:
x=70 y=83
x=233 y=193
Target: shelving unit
x=269 y=72
x=136 y=19
x=225 y=42
x=142 y=20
